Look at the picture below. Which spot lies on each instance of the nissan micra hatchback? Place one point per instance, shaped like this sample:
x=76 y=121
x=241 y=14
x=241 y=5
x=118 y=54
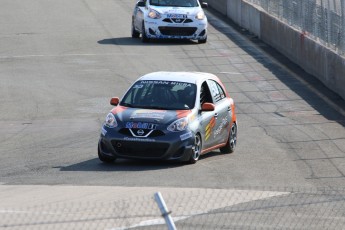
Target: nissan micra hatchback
x=170 y=116
x=174 y=19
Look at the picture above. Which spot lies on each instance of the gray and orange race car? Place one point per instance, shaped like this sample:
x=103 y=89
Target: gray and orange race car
x=170 y=116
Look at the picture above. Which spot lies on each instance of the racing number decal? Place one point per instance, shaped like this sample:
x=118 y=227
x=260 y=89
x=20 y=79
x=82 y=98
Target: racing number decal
x=209 y=127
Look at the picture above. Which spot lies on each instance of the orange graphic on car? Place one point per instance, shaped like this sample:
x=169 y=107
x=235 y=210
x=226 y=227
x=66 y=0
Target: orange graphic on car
x=209 y=128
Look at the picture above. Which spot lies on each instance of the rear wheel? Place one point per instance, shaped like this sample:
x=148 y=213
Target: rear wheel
x=196 y=150
x=144 y=37
x=103 y=158
x=231 y=144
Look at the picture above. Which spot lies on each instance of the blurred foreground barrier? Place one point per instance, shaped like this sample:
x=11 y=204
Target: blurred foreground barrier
x=117 y=208
x=310 y=33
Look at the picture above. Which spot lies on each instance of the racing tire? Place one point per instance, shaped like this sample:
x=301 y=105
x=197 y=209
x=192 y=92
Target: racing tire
x=103 y=158
x=196 y=150
x=134 y=32
x=231 y=144
x=202 y=41
x=144 y=37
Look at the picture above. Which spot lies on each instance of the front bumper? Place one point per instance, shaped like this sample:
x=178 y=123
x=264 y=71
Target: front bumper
x=172 y=146
x=168 y=29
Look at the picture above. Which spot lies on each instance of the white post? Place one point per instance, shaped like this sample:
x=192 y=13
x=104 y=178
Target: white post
x=164 y=210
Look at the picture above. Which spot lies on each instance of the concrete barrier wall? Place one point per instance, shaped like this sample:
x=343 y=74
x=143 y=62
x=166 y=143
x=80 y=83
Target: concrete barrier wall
x=321 y=62
x=219 y=5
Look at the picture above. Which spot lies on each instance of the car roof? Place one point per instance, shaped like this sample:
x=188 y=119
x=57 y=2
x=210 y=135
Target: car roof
x=189 y=77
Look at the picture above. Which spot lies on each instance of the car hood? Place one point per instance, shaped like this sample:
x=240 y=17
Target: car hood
x=164 y=117
x=176 y=10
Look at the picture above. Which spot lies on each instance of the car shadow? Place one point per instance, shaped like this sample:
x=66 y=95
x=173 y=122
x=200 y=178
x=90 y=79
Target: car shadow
x=130 y=165
x=121 y=165
x=123 y=41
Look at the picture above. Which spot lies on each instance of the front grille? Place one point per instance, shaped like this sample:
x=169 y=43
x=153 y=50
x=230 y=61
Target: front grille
x=177 y=31
x=155 y=133
x=140 y=149
x=177 y=20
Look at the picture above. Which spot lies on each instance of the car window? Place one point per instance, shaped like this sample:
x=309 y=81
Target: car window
x=178 y=3
x=205 y=95
x=170 y=95
x=217 y=91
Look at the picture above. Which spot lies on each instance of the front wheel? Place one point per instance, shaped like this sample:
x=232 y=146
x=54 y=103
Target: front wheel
x=196 y=150
x=135 y=33
x=144 y=37
x=231 y=144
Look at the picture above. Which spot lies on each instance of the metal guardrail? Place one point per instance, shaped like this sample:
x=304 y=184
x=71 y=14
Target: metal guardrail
x=321 y=20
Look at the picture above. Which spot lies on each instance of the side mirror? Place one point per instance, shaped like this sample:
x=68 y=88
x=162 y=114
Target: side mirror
x=208 y=107
x=204 y=5
x=114 y=101
x=141 y=4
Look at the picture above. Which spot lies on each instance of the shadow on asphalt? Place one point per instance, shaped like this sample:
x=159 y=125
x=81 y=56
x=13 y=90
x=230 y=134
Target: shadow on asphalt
x=137 y=42
x=131 y=165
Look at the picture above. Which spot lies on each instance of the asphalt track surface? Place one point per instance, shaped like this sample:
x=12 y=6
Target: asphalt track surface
x=61 y=62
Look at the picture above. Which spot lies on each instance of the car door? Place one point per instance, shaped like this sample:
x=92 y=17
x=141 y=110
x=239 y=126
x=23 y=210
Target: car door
x=207 y=118
x=222 y=110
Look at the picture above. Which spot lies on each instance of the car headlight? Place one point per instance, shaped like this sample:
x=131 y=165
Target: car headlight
x=200 y=15
x=178 y=125
x=110 y=121
x=154 y=14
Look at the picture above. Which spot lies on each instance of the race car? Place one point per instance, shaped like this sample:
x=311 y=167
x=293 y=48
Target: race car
x=169 y=19
x=170 y=116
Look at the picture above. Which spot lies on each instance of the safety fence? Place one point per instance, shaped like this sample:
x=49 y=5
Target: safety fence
x=190 y=209
x=321 y=20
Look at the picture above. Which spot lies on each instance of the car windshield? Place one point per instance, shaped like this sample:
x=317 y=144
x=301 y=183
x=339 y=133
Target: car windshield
x=176 y=3
x=167 y=95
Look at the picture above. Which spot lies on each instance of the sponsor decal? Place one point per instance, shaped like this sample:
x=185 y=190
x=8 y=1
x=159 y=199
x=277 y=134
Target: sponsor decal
x=139 y=139
x=167 y=83
x=209 y=127
x=140 y=125
x=156 y=82
x=186 y=136
x=138 y=86
x=154 y=114
x=222 y=125
x=180 y=16
x=181 y=83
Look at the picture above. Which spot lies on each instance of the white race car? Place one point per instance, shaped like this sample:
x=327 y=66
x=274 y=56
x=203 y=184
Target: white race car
x=170 y=19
